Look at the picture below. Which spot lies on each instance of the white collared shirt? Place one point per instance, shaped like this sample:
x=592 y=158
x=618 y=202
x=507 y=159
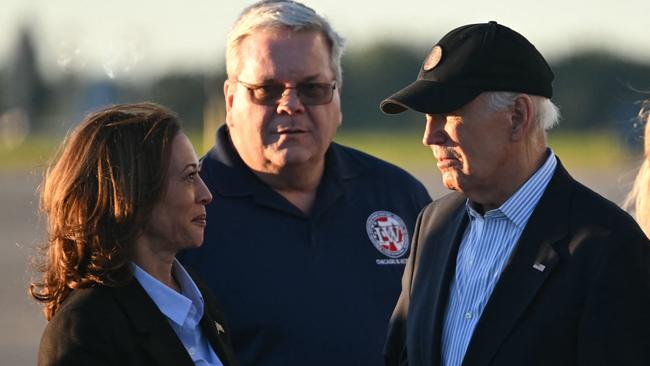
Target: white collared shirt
x=183 y=311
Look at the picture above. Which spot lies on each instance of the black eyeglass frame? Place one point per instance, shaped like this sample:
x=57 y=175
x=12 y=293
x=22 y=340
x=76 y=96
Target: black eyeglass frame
x=275 y=97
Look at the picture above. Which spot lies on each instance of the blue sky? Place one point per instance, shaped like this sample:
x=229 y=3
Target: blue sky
x=129 y=39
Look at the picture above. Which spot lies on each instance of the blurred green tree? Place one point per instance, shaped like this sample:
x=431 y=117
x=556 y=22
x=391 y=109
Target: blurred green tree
x=185 y=93
x=23 y=87
x=596 y=89
x=373 y=73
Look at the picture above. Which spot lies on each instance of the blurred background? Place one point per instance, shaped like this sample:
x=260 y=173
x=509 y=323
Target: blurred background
x=62 y=59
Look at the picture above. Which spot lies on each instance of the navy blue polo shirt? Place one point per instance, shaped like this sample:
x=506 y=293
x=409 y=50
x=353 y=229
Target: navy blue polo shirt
x=314 y=289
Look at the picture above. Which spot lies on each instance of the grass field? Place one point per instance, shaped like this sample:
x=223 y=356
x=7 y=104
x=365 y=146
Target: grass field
x=593 y=150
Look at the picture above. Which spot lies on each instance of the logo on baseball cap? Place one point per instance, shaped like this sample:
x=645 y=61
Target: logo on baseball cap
x=470 y=60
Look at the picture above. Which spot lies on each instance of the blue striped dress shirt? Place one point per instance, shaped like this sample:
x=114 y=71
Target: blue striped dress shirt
x=487 y=244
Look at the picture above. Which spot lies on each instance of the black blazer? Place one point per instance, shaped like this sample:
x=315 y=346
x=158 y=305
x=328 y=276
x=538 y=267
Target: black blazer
x=123 y=326
x=589 y=305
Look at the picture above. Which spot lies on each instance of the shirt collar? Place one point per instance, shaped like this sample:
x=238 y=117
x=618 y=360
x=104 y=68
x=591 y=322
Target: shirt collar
x=175 y=306
x=521 y=204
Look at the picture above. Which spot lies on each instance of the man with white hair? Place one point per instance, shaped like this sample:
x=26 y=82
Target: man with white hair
x=522 y=265
x=306 y=240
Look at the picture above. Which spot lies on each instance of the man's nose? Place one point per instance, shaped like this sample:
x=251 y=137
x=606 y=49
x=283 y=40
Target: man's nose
x=290 y=103
x=434 y=133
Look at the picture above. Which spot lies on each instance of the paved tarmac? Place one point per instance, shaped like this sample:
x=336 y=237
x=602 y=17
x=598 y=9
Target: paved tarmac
x=22 y=231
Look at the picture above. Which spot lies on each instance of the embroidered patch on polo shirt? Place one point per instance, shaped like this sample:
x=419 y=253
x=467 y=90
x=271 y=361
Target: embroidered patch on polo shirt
x=388 y=233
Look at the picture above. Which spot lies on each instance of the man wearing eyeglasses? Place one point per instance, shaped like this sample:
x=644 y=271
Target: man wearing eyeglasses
x=306 y=239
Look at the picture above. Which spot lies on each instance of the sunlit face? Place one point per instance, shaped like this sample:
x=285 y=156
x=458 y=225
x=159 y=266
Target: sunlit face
x=472 y=146
x=270 y=138
x=178 y=218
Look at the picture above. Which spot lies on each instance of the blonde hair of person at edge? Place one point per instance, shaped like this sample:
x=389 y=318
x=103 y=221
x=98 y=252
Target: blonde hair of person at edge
x=639 y=197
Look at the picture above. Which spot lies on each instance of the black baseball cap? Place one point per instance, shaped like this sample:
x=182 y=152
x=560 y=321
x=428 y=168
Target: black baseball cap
x=470 y=60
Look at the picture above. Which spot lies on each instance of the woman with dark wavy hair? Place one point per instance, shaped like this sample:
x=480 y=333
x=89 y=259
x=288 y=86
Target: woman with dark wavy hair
x=122 y=198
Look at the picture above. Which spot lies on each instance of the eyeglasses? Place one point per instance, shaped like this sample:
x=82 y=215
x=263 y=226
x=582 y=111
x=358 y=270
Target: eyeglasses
x=308 y=93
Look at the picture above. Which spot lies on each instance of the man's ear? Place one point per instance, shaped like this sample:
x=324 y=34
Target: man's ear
x=229 y=96
x=340 y=117
x=228 y=93
x=522 y=117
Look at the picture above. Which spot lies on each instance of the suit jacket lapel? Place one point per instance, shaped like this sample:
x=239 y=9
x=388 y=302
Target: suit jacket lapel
x=442 y=229
x=157 y=337
x=535 y=258
x=213 y=330
x=213 y=324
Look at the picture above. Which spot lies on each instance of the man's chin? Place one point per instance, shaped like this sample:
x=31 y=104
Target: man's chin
x=452 y=188
x=450 y=182
x=293 y=156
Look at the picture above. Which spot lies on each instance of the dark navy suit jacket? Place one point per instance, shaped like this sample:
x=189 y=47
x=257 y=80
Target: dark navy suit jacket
x=589 y=305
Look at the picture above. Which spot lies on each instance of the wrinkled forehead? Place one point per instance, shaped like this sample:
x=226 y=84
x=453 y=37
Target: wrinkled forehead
x=303 y=38
x=284 y=54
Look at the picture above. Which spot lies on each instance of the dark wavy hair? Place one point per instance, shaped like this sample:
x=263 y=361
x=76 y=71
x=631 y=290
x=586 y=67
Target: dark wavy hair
x=97 y=196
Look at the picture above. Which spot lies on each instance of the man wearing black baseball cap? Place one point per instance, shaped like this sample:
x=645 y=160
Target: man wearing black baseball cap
x=522 y=265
